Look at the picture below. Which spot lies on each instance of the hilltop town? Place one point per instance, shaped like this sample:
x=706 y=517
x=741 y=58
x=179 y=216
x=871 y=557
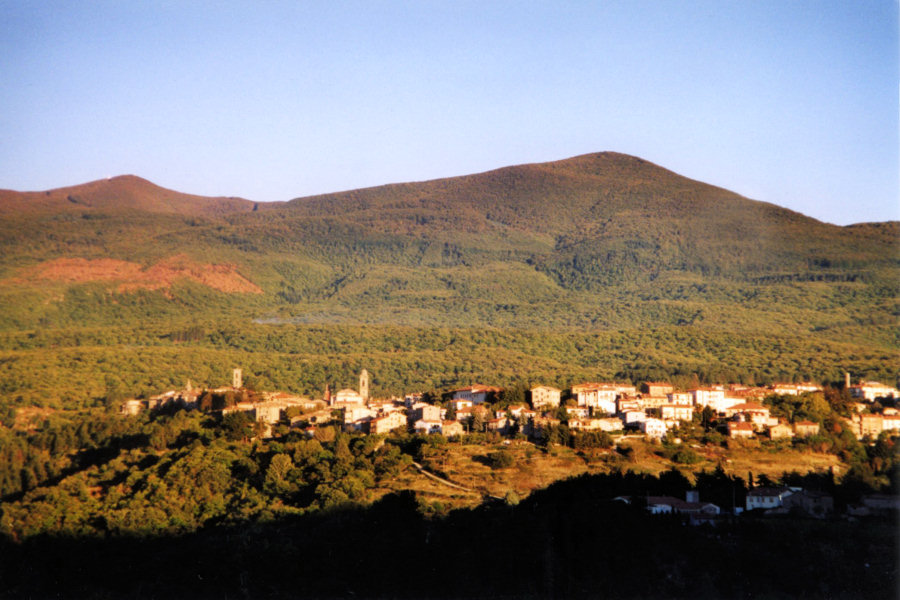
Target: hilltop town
x=652 y=409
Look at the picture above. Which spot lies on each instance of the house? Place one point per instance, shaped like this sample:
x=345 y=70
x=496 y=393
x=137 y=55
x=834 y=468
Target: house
x=632 y=417
x=424 y=427
x=812 y=503
x=890 y=422
x=653 y=401
x=681 y=398
x=767 y=497
x=709 y=396
x=781 y=431
x=740 y=429
x=609 y=424
x=544 y=395
x=581 y=424
x=269 y=412
x=795 y=389
x=872 y=390
x=579 y=412
x=131 y=407
x=451 y=428
x=458 y=405
x=357 y=414
x=427 y=412
x=387 y=423
x=657 y=388
x=653 y=428
x=663 y=505
x=477 y=394
x=676 y=412
x=750 y=411
x=870 y=425
x=500 y=425
x=596 y=395
x=806 y=428
x=715 y=398
x=624 y=404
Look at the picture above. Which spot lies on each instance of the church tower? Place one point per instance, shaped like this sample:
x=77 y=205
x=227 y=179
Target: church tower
x=364 y=385
x=237 y=380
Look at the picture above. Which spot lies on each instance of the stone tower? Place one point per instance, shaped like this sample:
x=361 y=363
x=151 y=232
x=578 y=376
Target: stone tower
x=237 y=380
x=364 y=385
x=846 y=380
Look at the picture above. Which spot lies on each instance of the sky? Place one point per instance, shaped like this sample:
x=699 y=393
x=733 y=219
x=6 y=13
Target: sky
x=794 y=103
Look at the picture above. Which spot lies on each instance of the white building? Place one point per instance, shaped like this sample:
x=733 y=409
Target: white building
x=872 y=390
x=653 y=428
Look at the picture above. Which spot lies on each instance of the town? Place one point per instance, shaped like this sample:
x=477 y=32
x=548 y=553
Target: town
x=653 y=411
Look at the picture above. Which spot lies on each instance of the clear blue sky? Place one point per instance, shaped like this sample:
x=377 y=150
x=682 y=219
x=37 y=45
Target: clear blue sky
x=794 y=103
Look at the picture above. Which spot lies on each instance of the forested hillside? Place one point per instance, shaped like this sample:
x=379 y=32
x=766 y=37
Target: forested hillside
x=596 y=266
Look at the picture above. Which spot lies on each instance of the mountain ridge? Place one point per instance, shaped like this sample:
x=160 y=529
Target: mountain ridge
x=123 y=192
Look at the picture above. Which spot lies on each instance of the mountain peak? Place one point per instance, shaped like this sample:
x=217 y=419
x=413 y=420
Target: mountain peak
x=119 y=193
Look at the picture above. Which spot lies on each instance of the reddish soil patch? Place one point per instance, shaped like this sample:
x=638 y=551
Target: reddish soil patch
x=132 y=276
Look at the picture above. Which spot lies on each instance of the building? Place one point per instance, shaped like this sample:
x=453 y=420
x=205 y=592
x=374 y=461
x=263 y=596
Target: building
x=477 y=394
x=451 y=428
x=544 y=395
x=623 y=404
x=814 y=504
x=632 y=417
x=601 y=396
x=427 y=412
x=873 y=390
x=767 y=497
x=131 y=407
x=653 y=428
x=499 y=425
x=237 y=380
x=348 y=396
x=657 y=388
x=681 y=398
x=364 y=385
x=740 y=429
x=806 y=428
x=676 y=412
x=781 y=431
x=870 y=425
x=890 y=422
x=752 y=412
x=456 y=405
x=424 y=427
x=665 y=505
x=795 y=389
x=387 y=423
x=713 y=397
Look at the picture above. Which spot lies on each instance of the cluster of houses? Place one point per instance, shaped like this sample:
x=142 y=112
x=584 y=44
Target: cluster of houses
x=772 y=500
x=653 y=409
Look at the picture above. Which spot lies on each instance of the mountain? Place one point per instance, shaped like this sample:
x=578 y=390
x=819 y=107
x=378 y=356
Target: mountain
x=123 y=193
x=664 y=272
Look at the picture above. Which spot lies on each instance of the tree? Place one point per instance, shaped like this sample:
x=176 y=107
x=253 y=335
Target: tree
x=237 y=426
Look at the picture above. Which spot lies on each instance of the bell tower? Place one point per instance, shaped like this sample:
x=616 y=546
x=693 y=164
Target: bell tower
x=237 y=380
x=364 y=385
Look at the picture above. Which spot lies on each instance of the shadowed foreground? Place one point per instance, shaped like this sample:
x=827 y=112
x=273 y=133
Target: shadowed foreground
x=563 y=542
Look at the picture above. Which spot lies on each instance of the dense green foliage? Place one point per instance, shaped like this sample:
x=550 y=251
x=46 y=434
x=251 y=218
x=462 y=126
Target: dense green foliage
x=596 y=267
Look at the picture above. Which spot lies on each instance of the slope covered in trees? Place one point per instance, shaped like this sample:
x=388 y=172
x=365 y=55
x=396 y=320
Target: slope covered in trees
x=598 y=265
